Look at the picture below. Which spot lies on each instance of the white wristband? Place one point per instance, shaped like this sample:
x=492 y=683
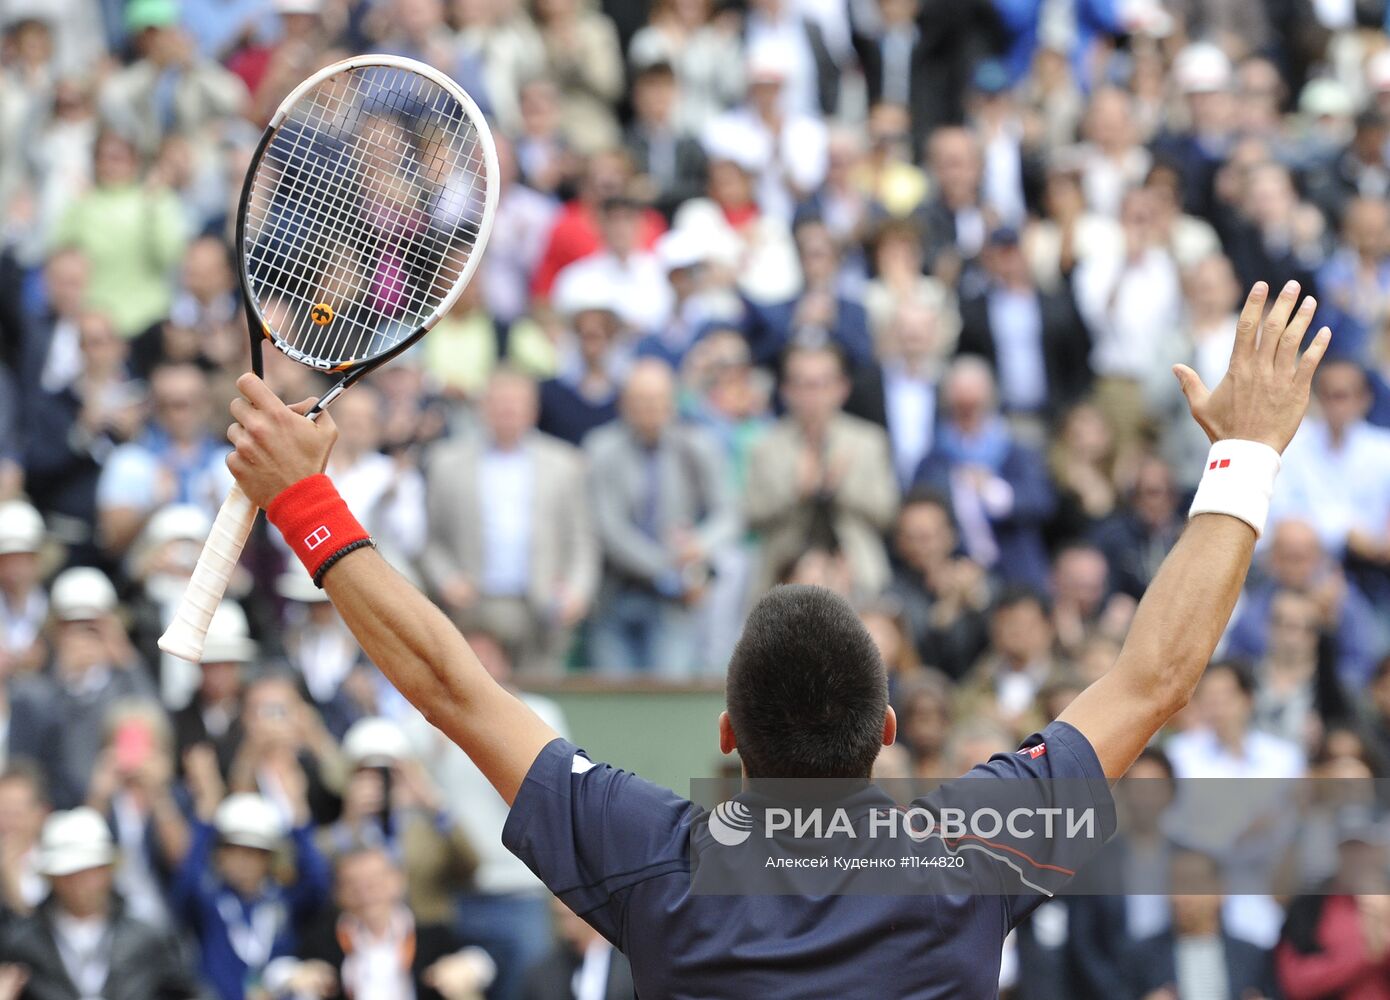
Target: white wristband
x=1239 y=481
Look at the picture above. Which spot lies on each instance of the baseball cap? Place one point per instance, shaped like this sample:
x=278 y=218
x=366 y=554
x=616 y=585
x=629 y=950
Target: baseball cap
x=1323 y=97
x=1003 y=236
x=1202 y=68
x=229 y=636
x=177 y=522
x=249 y=820
x=1378 y=71
x=21 y=528
x=576 y=292
x=81 y=594
x=769 y=61
x=142 y=14
x=375 y=742
x=678 y=249
x=284 y=7
x=990 y=77
x=75 y=841
x=733 y=141
x=294 y=585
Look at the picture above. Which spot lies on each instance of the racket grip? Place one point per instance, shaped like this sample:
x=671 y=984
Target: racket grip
x=185 y=635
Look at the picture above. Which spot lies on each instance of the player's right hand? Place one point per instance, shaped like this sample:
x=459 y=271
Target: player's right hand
x=1265 y=391
x=275 y=446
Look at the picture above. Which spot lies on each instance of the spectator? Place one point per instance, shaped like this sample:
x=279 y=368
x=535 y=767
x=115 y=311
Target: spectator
x=1355 y=280
x=895 y=252
x=663 y=508
x=94 y=667
x=211 y=718
x=73 y=430
x=924 y=707
x=899 y=391
x=23 y=809
x=1082 y=602
x=23 y=602
x=1085 y=467
x=666 y=156
x=243 y=918
x=376 y=946
x=955 y=224
x=1203 y=74
x=525 y=217
x=390 y=802
x=997 y=486
x=1112 y=159
x=1296 y=561
x=820 y=470
x=820 y=314
x=1197 y=951
x=132 y=787
x=581 y=956
x=1360 y=172
x=511 y=549
x=1138 y=536
x=640 y=293
x=895 y=58
x=1002 y=685
x=1034 y=341
x=82 y=941
x=584 y=57
x=388 y=494
x=1270 y=232
x=944 y=594
x=584 y=394
x=1337 y=475
x=507 y=911
x=175 y=461
x=1129 y=355
x=1298 y=692
x=1330 y=945
x=170 y=88
x=791 y=143
x=131 y=230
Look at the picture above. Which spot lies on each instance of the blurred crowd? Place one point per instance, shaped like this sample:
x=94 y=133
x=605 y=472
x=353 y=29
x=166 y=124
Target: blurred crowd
x=881 y=295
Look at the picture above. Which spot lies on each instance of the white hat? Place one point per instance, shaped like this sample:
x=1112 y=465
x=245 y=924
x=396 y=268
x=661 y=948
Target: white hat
x=294 y=585
x=177 y=522
x=249 y=820
x=577 y=292
x=21 y=528
x=1378 y=71
x=229 y=636
x=1202 y=68
x=283 y=7
x=81 y=594
x=375 y=742
x=735 y=141
x=681 y=248
x=75 y=841
x=1325 y=97
x=770 y=61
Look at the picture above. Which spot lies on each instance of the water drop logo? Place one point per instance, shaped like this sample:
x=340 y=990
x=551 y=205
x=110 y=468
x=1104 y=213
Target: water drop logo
x=731 y=823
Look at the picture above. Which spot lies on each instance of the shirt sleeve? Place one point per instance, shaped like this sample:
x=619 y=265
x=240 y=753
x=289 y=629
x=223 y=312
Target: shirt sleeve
x=590 y=831
x=1057 y=813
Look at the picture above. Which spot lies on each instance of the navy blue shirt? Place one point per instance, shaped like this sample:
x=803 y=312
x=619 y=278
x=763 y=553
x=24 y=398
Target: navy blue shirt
x=618 y=851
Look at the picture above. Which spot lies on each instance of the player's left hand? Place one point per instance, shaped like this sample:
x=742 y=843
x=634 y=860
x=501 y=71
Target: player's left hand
x=275 y=446
x=1265 y=392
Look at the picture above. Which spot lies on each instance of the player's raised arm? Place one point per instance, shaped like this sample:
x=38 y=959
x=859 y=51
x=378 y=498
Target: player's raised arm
x=279 y=461
x=1250 y=417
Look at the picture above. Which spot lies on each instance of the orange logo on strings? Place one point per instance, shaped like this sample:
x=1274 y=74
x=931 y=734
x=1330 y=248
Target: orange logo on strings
x=321 y=314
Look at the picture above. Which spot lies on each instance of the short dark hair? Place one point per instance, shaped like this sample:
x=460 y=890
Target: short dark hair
x=1240 y=672
x=807 y=690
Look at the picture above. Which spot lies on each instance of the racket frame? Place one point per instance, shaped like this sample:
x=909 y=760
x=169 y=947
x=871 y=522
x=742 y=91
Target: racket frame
x=185 y=635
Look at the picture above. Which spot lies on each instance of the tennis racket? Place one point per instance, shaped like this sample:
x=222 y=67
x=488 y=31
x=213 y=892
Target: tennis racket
x=363 y=216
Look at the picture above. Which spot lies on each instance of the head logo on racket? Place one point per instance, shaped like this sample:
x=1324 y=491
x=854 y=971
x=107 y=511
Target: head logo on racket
x=322 y=314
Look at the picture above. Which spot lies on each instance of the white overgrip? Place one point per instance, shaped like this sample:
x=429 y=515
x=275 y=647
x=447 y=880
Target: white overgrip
x=185 y=635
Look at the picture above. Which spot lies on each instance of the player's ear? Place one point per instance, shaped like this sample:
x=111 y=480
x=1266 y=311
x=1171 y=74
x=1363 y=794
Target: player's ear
x=728 y=742
x=890 y=727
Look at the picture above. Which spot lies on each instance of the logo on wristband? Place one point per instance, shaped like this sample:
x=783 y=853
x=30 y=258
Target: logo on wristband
x=1223 y=463
x=317 y=537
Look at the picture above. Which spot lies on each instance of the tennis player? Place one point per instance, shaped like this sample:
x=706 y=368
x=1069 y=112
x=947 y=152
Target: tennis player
x=806 y=697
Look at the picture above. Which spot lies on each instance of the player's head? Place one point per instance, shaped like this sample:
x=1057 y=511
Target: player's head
x=807 y=691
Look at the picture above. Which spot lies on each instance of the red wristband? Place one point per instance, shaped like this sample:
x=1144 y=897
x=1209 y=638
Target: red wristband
x=315 y=522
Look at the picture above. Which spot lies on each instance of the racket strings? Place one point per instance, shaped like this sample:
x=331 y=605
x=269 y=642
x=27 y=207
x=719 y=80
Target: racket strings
x=365 y=209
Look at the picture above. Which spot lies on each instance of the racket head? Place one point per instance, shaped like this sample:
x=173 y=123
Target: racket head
x=365 y=212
